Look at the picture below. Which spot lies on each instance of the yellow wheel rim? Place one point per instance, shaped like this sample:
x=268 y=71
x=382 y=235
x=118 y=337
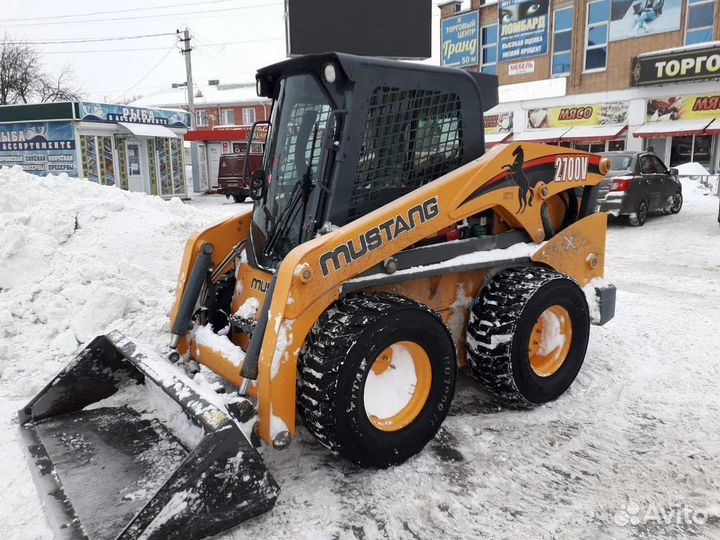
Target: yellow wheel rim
x=397 y=386
x=550 y=341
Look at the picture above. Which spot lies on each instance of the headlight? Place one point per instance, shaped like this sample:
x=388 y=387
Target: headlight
x=258 y=87
x=330 y=73
x=604 y=165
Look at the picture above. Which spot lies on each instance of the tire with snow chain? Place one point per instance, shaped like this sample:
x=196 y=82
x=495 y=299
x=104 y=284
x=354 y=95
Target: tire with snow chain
x=377 y=376
x=527 y=335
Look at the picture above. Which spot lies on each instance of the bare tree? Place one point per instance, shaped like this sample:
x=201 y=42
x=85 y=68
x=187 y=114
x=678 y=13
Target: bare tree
x=22 y=79
x=59 y=88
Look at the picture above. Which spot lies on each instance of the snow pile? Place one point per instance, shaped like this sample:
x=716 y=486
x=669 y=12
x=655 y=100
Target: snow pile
x=696 y=171
x=76 y=260
x=692 y=168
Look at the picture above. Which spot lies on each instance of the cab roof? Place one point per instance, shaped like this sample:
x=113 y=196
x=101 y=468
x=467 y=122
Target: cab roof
x=356 y=68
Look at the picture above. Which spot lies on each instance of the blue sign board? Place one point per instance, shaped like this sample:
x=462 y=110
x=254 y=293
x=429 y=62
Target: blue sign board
x=40 y=148
x=105 y=112
x=523 y=29
x=459 y=40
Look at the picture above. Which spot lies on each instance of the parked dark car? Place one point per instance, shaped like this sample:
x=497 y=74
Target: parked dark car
x=639 y=183
x=231 y=182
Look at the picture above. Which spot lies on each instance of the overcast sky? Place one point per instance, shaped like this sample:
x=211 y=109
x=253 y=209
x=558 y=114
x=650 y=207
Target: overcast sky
x=232 y=38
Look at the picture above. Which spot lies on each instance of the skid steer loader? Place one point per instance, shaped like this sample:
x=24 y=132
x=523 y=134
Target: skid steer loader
x=385 y=248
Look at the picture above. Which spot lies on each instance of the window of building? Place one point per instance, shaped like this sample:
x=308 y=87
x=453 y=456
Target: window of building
x=98 y=159
x=616 y=145
x=202 y=119
x=562 y=41
x=593 y=147
x=691 y=148
x=489 y=35
x=596 y=35
x=227 y=117
x=699 y=21
x=248 y=116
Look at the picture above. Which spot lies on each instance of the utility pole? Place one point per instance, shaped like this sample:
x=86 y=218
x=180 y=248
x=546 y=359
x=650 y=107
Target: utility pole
x=186 y=49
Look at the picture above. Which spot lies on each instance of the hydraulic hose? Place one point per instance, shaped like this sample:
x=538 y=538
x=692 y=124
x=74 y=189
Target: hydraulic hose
x=249 y=368
x=199 y=273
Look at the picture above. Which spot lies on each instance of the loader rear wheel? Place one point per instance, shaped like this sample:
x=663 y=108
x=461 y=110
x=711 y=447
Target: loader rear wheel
x=527 y=335
x=377 y=376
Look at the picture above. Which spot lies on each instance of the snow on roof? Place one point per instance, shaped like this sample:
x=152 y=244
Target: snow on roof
x=222 y=94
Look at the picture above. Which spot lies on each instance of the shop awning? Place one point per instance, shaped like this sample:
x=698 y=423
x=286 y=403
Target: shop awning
x=230 y=134
x=672 y=129
x=537 y=135
x=714 y=127
x=148 y=130
x=594 y=133
x=496 y=138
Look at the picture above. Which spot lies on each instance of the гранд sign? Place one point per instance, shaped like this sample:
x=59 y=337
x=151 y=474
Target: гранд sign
x=676 y=66
x=523 y=29
x=459 y=40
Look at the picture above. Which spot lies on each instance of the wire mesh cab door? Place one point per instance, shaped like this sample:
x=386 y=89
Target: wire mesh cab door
x=406 y=128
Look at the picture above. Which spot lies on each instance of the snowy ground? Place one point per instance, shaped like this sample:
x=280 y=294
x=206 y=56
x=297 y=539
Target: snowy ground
x=629 y=452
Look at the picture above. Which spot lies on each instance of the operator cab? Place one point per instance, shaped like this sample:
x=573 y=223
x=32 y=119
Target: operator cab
x=349 y=134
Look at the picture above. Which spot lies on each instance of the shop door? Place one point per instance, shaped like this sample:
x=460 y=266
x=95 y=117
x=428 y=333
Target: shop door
x=137 y=176
x=214 y=151
x=202 y=167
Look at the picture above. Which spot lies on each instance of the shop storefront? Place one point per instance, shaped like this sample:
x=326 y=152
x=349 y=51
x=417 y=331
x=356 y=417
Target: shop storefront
x=588 y=127
x=498 y=128
x=212 y=143
x=681 y=129
x=679 y=125
x=133 y=148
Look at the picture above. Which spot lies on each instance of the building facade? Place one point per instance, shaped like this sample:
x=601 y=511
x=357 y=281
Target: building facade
x=223 y=115
x=597 y=74
x=133 y=148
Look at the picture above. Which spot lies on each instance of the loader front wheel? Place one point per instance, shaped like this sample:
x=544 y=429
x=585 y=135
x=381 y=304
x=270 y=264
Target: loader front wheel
x=377 y=376
x=527 y=335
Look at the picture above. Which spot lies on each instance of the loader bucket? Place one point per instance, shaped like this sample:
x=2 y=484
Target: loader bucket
x=126 y=447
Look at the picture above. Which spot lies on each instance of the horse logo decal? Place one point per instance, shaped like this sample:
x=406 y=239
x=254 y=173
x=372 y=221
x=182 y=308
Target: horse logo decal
x=516 y=174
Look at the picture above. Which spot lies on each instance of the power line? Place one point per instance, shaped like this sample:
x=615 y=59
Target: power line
x=203 y=13
x=114 y=11
x=137 y=49
x=232 y=59
x=90 y=40
x=171 y=49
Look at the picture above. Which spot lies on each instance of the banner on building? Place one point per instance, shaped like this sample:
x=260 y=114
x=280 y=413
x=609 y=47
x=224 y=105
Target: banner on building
x=105 y=112
x=696 y=64
x=40 y=148
x=498 y=123
x=640 y=18
x=683 y=108
x=523 y=29
x=578 y=115
x=521 y=68
x=459 y=40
